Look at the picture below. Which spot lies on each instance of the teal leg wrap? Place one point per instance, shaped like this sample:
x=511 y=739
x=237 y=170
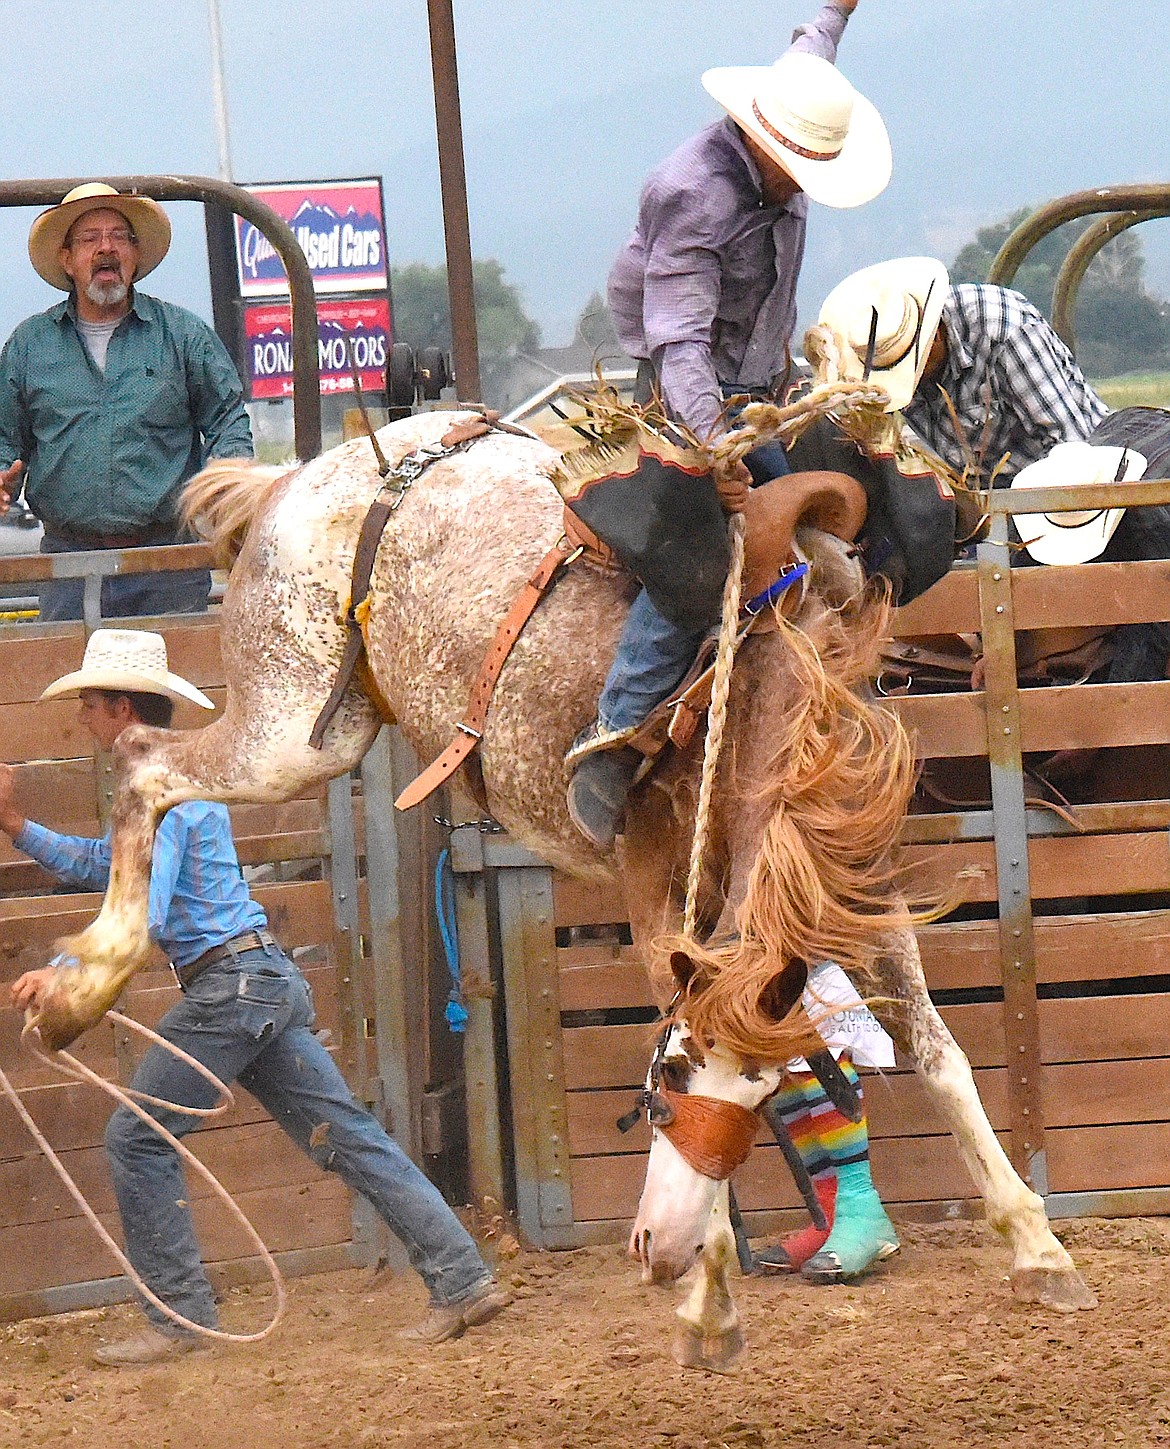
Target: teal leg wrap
x=862 y=1232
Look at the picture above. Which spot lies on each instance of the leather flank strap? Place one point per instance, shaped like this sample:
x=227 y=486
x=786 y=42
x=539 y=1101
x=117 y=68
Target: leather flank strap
x=470 y=729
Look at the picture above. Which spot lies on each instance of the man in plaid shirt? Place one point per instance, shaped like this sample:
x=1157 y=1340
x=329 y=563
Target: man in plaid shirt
x=976 y=370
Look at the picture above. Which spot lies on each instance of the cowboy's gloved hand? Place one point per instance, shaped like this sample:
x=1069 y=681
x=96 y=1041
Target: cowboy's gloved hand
x=733 y=486
x=9 y=483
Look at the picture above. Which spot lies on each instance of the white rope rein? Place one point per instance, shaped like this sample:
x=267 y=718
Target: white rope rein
x=761 y=422
x=716 y=716
x=69 y=1066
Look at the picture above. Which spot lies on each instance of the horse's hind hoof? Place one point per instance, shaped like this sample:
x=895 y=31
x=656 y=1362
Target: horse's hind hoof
x=717 y=1354
x=1062 y=1289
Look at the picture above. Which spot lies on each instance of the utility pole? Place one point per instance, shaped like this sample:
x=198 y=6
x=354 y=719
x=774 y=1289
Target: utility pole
x=219 y=94
x=453 y=183
x=218 y=222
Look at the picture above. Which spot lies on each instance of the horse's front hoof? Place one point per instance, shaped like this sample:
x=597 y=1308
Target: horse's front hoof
x=1062 y=1289
x=717 y=1353
x=60 y=1020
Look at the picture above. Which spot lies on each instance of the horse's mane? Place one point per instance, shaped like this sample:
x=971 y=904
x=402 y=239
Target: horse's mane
x=221 y=501
x=825 y=882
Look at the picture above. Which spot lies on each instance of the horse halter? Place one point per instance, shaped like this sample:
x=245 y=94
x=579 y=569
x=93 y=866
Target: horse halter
x=711 y=1135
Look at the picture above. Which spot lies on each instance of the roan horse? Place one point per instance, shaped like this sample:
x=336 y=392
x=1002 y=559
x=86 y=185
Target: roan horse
x=812 y=787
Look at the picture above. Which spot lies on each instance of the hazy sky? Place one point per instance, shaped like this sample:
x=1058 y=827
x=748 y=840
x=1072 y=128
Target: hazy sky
x=991 y=105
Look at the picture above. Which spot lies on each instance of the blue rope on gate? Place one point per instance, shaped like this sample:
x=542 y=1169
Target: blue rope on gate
x=456 y=1012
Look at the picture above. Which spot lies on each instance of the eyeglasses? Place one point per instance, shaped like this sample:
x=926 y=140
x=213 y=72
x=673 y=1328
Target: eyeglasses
x=121 y=236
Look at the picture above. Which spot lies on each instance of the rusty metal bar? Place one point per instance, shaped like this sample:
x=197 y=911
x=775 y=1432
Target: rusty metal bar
x=1080 y=258
x=103 y=563
x=1062 y=499
x=306 y=373
x=453 y=183
x=1021 y=1017
x=1145 y=197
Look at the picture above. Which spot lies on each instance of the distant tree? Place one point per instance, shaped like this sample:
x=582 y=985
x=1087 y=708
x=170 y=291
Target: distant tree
x=422 y=312
x=1120 y=325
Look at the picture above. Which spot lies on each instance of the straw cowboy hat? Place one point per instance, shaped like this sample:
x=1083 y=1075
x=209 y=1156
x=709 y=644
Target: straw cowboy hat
x=811 y=121
x=147 y=220
x=130 y=660
x=1074 y=537
x=908 y=295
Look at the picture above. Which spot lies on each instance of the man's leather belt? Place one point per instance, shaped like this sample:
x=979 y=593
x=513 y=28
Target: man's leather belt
x=249 y=941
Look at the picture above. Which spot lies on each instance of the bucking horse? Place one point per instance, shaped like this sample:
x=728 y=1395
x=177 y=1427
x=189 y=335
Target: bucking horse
x=812 y=784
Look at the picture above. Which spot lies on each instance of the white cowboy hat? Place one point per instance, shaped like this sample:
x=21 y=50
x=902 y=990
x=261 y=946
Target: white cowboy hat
x=907 y=295
x=1074 y=537
x=147 y=220
x=130 y=660
x=811 y=121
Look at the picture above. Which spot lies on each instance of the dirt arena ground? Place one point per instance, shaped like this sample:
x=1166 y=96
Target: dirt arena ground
x=931 y=1353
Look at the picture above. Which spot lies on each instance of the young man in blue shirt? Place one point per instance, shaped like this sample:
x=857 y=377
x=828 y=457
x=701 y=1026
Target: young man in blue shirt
x=246 y=1014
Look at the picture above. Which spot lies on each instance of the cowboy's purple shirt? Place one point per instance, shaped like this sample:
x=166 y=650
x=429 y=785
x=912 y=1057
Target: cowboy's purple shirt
x=706 y=285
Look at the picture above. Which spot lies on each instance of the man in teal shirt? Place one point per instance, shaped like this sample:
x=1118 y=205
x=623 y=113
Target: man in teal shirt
x=111 y=400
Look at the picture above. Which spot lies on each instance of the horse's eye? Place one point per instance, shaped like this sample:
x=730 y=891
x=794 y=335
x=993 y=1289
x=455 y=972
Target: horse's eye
x=674 y=1074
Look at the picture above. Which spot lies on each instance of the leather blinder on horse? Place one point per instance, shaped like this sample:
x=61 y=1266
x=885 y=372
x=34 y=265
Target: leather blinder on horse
x=712 y=1135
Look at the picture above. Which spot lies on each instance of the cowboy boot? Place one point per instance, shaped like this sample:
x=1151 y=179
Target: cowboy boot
x=598 y=791
x=603 y=768
x=862 y=1235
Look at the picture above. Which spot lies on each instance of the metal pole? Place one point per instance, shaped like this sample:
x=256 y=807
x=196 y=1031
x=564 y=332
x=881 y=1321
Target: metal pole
x=453 y=182
x=218 y=93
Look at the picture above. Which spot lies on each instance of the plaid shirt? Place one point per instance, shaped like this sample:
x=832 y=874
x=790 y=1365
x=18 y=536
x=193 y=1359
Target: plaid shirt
x=1015 y=386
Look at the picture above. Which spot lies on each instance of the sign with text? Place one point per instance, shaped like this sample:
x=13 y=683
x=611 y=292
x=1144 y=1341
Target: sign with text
x=268 y=346
x=340 y=228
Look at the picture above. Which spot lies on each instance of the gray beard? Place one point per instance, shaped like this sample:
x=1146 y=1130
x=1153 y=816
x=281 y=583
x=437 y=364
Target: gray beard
x=107 y=294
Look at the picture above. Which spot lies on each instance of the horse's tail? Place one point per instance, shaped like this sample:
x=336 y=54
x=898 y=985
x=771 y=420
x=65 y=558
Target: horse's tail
x=220 y=502
x=825 y=884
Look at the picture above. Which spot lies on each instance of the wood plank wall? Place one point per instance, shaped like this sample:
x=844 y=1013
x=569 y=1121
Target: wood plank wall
x=44 y=1242
x=1101 y=898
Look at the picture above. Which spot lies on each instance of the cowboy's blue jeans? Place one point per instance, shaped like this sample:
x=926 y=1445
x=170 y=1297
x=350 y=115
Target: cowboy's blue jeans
x=653 y=654
x=248 y=1020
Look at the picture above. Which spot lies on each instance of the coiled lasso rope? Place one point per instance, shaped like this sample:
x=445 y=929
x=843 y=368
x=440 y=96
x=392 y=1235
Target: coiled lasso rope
x=716 y=716
x=69 y=1066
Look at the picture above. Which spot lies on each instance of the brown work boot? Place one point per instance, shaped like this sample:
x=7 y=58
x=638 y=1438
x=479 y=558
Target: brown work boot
x=451 y=1320
x=149 y=1346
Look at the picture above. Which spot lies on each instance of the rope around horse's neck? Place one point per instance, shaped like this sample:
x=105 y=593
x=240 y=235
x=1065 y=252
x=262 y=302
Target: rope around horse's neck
x=69 y=1066
x=716 y=717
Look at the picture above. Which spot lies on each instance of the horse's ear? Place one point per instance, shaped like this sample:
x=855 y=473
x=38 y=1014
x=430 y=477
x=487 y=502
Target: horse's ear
x=784 y=990
x=682 y=969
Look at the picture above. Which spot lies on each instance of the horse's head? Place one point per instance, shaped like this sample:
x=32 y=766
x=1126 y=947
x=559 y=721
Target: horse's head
x=703 y=1103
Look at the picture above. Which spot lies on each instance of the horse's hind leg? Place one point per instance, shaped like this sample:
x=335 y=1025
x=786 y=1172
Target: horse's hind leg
x=708 y=1335
x=1042 y=1271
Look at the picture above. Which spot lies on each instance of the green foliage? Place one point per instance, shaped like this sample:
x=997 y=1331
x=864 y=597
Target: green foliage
x=1120 y=325
x=422 y=312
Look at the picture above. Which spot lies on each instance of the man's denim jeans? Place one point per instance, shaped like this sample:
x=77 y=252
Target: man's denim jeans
x=249 y=1020
x=185 y=591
